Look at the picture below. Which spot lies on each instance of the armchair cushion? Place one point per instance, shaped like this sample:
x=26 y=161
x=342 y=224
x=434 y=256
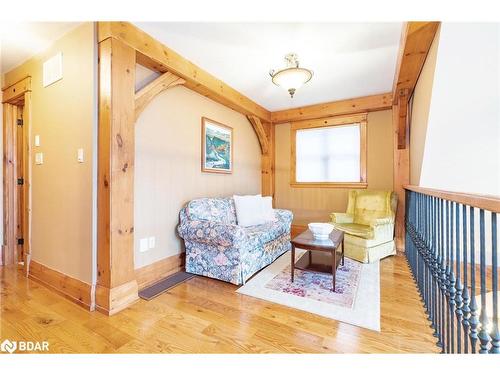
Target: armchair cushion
x=368 y=205
x=359 y=230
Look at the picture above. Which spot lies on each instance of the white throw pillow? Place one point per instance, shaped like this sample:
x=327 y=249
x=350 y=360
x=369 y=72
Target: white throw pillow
x=267 y=209
x=249 y=210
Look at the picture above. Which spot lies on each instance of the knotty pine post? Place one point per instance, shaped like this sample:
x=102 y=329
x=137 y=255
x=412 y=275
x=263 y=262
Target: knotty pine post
x=116 y=283
x=401 y=168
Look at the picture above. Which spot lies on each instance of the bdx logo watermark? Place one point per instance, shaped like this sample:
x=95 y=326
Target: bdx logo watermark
x=24 y=346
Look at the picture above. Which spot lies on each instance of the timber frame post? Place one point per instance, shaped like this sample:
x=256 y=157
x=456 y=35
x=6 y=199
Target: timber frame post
x=116 y=284
x=416 y=40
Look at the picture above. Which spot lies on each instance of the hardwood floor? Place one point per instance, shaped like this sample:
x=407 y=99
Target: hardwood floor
x=207 y=316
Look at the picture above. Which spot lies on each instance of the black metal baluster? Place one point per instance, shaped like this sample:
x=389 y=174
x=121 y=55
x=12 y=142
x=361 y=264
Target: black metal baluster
x=451 y=279
x=473 y=320
x=442 y=277
x=484 y=337
x=428 y=281
x=465 y=293
x=434 y=267
x=459 y=286
x=495 y=334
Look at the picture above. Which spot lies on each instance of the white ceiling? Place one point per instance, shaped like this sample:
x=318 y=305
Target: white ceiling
x=348 y=59
x=21 y=40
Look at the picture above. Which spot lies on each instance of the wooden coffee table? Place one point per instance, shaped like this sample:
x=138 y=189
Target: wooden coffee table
x=331 y=245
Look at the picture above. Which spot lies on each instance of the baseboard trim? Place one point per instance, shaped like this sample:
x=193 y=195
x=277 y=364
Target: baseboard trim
x=156 y=271
x=70 y=288
x=111 y=301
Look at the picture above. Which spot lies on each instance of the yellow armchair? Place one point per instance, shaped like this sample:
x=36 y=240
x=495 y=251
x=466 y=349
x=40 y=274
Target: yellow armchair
x=368 y=225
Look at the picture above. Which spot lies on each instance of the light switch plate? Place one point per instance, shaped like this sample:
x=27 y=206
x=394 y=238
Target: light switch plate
x=152 y=242
x=143 y=245
x=80 y=155
x=39 y=158
x=37 y=141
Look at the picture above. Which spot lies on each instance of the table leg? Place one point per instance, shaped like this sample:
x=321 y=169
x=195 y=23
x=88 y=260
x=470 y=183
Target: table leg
x=310 y=257
x=342 y=251
x=293 y=261
x=334 y=266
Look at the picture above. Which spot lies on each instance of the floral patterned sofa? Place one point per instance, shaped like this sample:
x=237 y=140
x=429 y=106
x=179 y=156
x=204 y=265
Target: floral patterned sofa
x=218 y=248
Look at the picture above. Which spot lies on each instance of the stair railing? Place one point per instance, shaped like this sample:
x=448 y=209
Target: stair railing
x=452 y=250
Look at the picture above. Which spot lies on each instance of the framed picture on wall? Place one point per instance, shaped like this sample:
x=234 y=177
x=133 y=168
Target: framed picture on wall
x=216 y=147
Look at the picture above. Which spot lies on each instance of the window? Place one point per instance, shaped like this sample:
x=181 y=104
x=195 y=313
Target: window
x=329 y=152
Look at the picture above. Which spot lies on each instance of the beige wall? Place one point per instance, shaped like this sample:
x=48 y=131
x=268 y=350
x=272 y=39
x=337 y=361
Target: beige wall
x=421 y=103
x=63 y=115
x=316 y=204
x=168 y=166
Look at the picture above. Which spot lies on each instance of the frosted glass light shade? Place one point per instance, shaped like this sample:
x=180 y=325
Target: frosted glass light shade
x=329 y=154
x=292 y=78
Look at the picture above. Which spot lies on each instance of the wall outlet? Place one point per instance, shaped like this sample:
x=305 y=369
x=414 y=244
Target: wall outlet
x=39 y=158
x=152 y=242
x=143 y=245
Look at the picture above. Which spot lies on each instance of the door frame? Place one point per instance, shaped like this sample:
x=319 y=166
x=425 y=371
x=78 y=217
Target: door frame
x=16 y=95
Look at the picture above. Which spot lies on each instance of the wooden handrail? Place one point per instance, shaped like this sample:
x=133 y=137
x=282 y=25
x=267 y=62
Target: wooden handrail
x=486 y=202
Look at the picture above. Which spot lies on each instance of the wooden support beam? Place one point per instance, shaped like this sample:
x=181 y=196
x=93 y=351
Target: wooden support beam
x=159 y=57
x=342 y=107
x=267 y=162
x=403 y=131
x=401 y=176
x=147 y=93
x=265 y=134
x=116 y=283
x=416 y=40
x=261 y=133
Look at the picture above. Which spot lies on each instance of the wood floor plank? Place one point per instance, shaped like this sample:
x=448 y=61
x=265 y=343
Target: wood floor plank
x=208 y=316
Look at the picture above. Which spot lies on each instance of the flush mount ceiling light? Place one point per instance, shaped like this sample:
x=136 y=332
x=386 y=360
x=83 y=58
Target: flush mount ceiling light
x=292 y=77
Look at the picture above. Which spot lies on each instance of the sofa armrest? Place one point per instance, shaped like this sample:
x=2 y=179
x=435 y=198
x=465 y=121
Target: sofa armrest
x=284 y=216
x=212 y=233
x=339 y=217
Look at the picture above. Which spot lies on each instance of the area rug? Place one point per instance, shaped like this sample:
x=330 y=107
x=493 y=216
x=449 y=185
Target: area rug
x=356 y=299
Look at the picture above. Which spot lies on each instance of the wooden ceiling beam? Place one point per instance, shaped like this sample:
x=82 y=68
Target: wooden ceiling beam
x=416 y=40
x=147 y=93
x=159 y=57
x=342 y=107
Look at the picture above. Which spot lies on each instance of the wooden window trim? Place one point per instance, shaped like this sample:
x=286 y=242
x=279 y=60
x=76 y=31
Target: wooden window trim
x=361 y=119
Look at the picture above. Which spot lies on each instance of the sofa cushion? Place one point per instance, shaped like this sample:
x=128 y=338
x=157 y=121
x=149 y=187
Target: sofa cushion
x=360 y=230
x=220 y=210
x=261 y=234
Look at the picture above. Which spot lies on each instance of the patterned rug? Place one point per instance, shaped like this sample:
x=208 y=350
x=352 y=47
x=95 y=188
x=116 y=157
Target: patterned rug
x=355 y=301
x=318 y=286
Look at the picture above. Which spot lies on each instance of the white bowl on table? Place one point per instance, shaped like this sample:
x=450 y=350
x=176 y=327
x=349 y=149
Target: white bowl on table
x=320 y=231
